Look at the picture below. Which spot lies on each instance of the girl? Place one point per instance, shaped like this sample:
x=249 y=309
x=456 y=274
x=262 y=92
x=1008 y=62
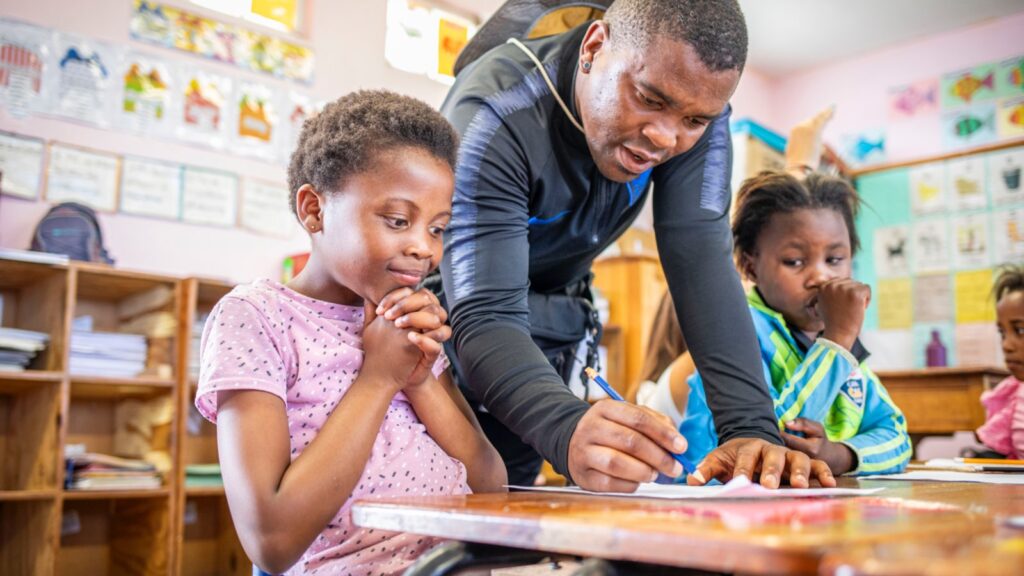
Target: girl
x=332 y=388
x=1003 y=430
x=795 y=240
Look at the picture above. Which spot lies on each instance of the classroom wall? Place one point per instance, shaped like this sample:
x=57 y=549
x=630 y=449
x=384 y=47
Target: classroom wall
x=858 y=86
x=348 y=39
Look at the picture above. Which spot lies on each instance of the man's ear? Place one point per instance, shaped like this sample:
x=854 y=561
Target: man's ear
x=309 y=207
x=746 y=266
x=594 y=40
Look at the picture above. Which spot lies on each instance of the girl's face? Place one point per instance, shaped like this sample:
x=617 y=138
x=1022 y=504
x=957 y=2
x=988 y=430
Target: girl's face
x=796 y=253
x=382 y=229
x=1010 y=320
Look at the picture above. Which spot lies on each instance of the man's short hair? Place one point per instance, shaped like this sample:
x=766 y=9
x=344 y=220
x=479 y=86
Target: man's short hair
x=715 y=28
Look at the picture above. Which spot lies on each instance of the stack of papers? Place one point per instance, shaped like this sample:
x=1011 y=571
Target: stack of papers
x=739 y=488
x=92 y=471
x=107 y=353
x=19 y=347
x=203 y=475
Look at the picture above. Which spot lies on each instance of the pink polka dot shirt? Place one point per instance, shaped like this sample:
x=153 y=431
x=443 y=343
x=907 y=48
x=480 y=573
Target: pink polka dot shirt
x=264 y=336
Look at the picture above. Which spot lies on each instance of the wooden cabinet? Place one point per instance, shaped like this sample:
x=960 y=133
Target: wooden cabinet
x=941 y=400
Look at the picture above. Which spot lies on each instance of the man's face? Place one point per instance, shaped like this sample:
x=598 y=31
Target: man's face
x=642 y=106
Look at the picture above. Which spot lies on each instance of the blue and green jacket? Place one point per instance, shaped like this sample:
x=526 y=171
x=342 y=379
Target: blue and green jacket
x=820 y=381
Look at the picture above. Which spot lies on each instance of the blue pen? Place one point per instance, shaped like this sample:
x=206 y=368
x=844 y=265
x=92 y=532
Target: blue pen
x=593 y=375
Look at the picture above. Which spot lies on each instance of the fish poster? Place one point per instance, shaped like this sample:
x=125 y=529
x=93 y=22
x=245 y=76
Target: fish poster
x=930 y=245
x=24 y=53
x=916 y=99
x=145 y=98
x=864 y=148
x=1010 y=77
x=1004 y=176
x=205 y=99
x=1010 y=118
x=968 y=127
x=971 y=244
x=928 y=190
x=1008 y=232
x=892 y=251
x=965 y=181
x=84 y=73
x=966 y=87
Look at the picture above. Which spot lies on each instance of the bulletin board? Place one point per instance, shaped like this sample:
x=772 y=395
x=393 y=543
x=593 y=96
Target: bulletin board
x=933 y=234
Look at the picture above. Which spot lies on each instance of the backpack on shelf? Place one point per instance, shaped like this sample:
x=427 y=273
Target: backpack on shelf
x=71 y=229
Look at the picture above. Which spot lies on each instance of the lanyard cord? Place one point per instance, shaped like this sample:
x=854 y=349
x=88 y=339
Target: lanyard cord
x=551 y=85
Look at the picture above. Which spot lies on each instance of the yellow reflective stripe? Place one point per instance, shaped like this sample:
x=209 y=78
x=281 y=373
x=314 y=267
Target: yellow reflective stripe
x=885 y=447
x=816 y=379
x=895 y=461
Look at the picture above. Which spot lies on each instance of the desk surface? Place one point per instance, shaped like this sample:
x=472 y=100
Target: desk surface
x=771 y=536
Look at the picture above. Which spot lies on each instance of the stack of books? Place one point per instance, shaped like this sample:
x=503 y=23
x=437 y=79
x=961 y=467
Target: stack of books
x=203 y=475
x=110 y=354
x=92 y=471
x=19 y=347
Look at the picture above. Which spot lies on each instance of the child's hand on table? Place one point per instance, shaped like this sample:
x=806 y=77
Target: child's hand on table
x=403 y=336
x=815 y=443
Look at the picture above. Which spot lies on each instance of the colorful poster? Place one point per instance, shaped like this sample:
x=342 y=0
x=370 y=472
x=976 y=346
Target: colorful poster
x=79 y=175
x=894 y=304
x=1010 y=77
x=965 y=181
x=1010 y=118
x=1004 y=176
x=978 y=345
x=204 y=108
x=971 y=245
x=867 y=147
x=24 y=50
x=927 y=190
x=153 y=22
x=150 y=188
x=451 y=38
x=209 y=197
x=931 y=246
x=1008 y=233
x=917 y=99
x=145 y=95
x=299 y=108
x=298 y=62
x=84 y=73
x=265 y=209
x=257 y=120
x=973 y=296
x=21 y=165
x=940 y=334
x=971 y=126
x=933 y=298
x=261 y=53
x=892 y=251
x=968 y=86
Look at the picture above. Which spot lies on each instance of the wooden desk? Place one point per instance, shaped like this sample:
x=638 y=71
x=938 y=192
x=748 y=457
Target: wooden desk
x=941 y=400
x=794 y=536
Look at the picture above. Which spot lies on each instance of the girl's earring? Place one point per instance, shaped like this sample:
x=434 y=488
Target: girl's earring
x=586 y=66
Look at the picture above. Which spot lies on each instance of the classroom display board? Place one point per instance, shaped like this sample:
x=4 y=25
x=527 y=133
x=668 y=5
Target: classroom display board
x=45 y=72
x=140 y=186
x=933 y=236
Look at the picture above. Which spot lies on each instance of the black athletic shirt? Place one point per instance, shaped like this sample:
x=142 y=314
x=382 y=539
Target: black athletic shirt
x=530 y=213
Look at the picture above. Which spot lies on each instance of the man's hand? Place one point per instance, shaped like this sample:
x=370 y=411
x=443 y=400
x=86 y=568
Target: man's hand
x=763 y=462
x=815 y=443
x=617 y=446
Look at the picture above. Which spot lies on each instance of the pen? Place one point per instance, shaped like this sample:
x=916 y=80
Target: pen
x=593 y=375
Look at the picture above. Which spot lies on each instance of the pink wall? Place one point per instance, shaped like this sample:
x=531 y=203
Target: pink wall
x=348 y=38
x=754 y=98
x=858 y=86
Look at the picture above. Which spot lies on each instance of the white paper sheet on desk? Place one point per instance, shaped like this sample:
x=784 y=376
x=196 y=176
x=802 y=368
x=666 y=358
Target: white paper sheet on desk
x=950 y=476
x=739 y=488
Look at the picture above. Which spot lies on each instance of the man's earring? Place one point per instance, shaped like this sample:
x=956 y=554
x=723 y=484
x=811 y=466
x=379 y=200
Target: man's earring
x=586 y=66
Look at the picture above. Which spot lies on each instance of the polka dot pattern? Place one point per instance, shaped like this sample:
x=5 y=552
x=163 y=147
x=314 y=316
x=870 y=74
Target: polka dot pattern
x=264 y=336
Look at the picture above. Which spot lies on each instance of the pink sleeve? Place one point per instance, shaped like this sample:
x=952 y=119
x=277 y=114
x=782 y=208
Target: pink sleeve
x=1017 y=422
x=238 y=352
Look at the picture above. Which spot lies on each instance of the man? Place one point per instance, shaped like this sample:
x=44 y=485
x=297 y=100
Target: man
x=551 y=171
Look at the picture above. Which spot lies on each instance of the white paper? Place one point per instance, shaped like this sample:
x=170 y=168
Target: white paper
x=931 y=246
x=950 y=476
x=77 y=175
x=205 y=108
x=151 y=188
x=145 y=91
x=83 y=73
x=209 y=197
x=965 y=181
x=739 y=488
x=927 y=190
x=971 y=242
x=265 y=209
x=1005 y=178
x=21 y=165
x=1008 y=230
x=24 y=54
x=892 y=251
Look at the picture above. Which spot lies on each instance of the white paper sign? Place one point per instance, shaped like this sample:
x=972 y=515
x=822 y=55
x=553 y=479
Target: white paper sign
x=927 y=190
x=1005 y=178
x=1008 y=229
x=21 y=165
x=965 y=180
x=24 y=56
x=151 y=188
x=892 y=251
x=209 y=197
x=77 y=175
x=930 y=239
x=971 y=242
x=265 y=208
x=83 y=75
